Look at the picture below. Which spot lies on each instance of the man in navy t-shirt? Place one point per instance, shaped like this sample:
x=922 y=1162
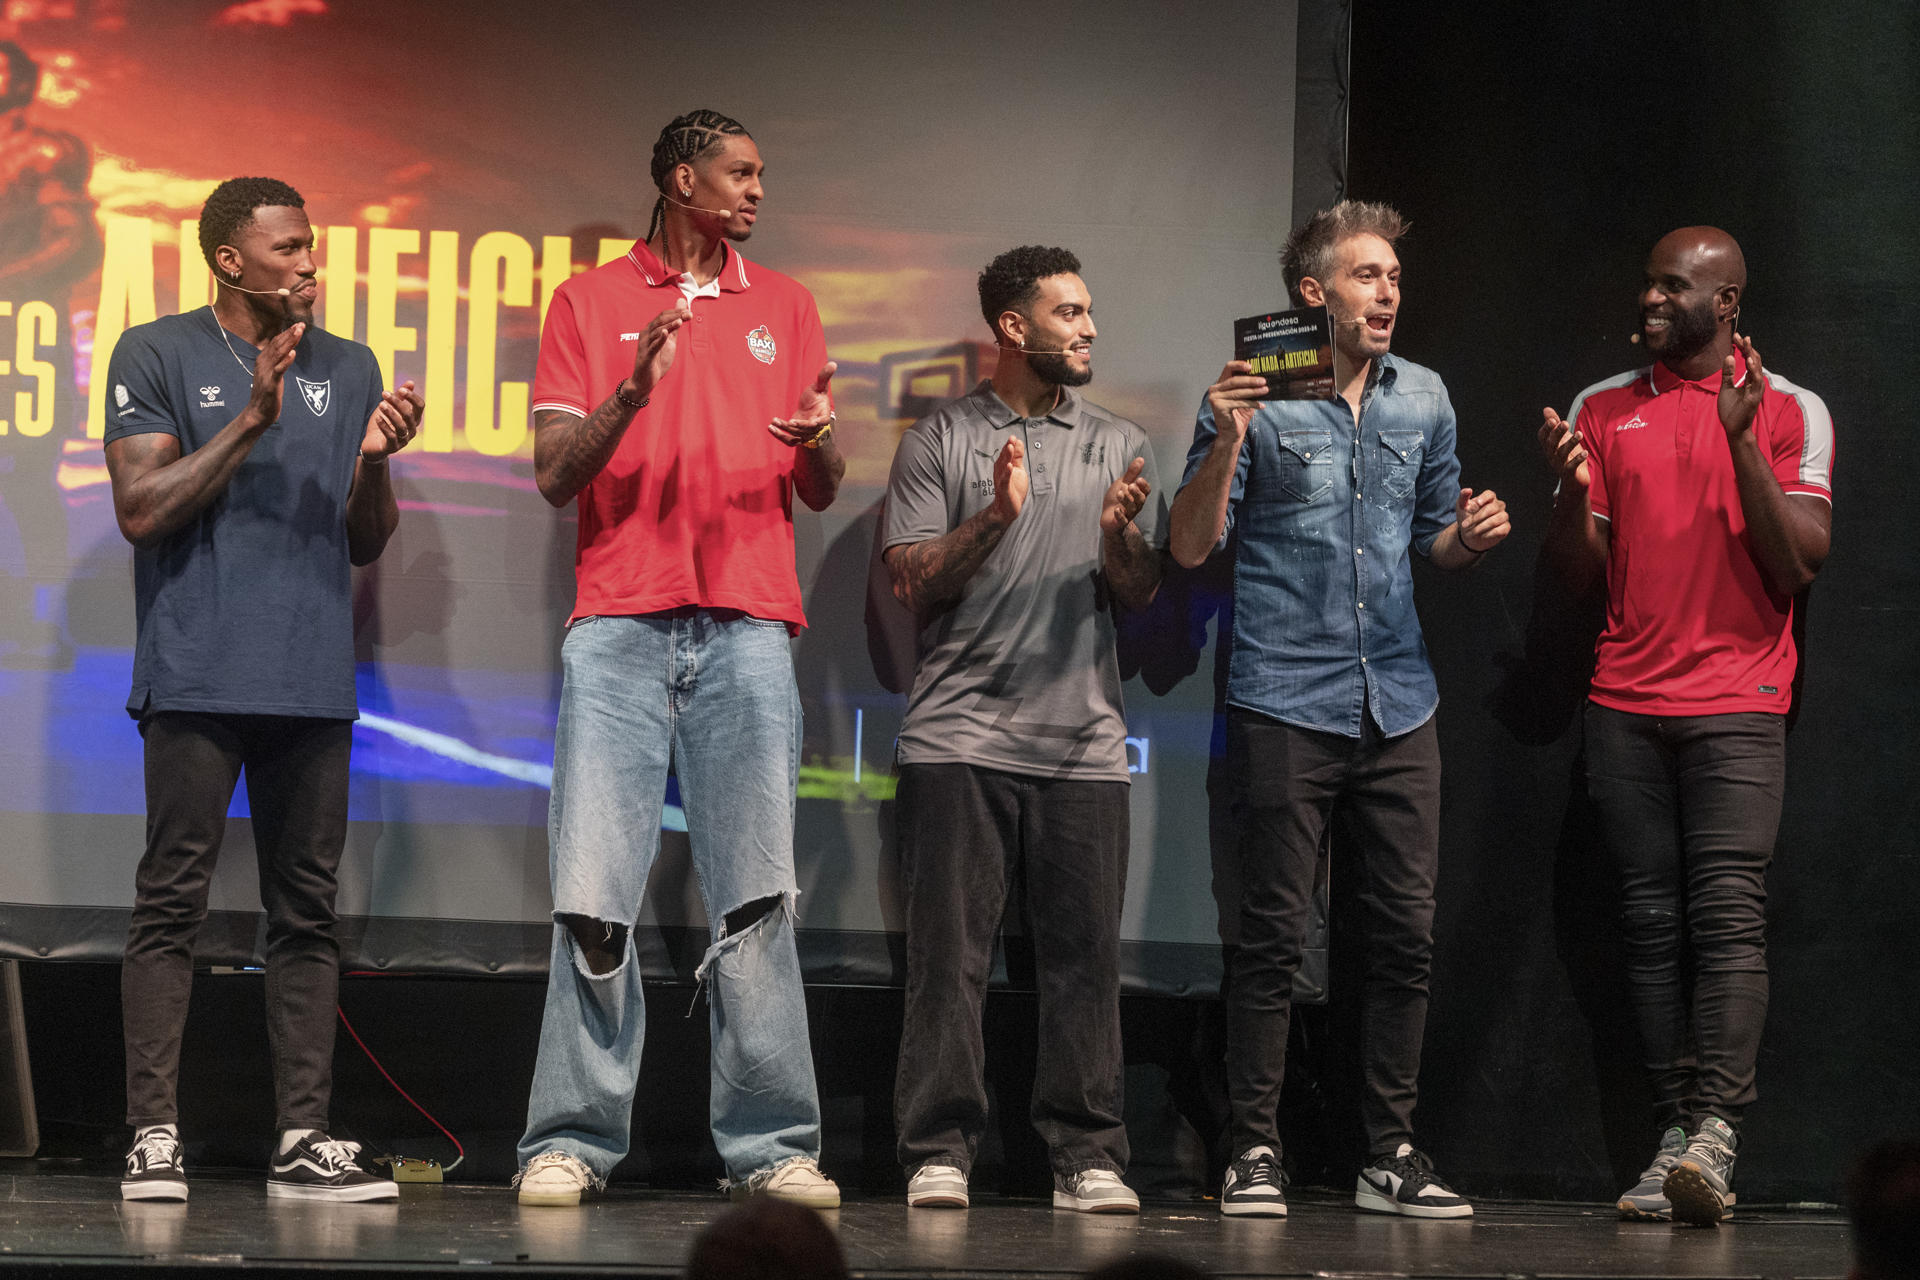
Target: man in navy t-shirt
x=248 y=452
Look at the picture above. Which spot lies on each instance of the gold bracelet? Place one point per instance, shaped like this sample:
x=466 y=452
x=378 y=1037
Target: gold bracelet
x=813 y=441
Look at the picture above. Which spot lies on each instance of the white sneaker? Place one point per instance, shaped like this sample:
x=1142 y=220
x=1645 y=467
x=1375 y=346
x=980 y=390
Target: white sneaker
x=555 y=1178
x=1094 y=1191
x=798 y=1180
x=937 y=1186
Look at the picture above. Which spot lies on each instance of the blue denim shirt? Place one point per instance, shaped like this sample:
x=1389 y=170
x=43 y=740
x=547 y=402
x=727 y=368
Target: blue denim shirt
x=1323 y=618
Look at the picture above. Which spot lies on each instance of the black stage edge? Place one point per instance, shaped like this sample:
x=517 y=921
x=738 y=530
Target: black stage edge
x=57 y=1221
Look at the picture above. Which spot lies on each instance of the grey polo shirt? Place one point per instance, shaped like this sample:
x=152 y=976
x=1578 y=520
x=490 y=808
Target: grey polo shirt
x=1020 y=673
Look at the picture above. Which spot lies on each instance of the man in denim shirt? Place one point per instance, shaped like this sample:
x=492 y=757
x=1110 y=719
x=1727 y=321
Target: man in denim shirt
x=1330 y=696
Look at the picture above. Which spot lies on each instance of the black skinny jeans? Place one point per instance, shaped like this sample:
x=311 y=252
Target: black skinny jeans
x=1289 y=781
x=1689 y=808
x=964 y=833
x=296 y=771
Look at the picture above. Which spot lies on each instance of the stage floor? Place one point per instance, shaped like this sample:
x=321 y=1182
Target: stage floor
x=76 y=1221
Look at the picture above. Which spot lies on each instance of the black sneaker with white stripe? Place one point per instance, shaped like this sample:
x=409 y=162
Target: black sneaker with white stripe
x=318 y=1168
x=1405 y=1183
x=154 y=1171
x=1254 y=1186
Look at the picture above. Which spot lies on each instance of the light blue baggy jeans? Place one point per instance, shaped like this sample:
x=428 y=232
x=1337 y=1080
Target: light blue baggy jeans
x=714 y=695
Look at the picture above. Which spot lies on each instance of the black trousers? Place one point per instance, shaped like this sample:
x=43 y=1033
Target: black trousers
x=296 y=770
x=1689 y=808
x=1290 y=781
x=964 y=834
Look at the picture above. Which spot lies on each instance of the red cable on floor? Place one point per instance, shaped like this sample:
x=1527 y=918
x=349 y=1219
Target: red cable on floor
x=402 y=1092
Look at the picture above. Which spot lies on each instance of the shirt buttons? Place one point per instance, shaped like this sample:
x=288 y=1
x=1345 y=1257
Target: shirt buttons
x=1363 y=662
x=1362 y=604
x=1359 y=551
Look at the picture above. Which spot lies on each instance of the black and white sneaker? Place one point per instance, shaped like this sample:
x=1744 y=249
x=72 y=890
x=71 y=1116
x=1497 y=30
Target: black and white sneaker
x=318 y=1168
x=1405 y=1183
x=154 y=1171
x=1255 y=1186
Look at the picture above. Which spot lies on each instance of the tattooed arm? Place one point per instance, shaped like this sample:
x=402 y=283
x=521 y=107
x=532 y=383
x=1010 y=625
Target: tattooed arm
x=569 y=450
x=927 y=574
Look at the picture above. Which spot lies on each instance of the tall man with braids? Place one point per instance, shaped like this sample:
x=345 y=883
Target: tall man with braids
x=681 y=398
x=248 y=452
x=1330 y=696
x=1017 y=520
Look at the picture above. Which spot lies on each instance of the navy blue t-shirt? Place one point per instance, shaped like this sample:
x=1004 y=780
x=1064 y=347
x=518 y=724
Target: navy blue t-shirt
x=248 y=609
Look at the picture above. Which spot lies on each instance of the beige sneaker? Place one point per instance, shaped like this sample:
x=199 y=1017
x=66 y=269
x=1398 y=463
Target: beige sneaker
x=798 y=1180
x=555 y=1178
x=1094 y=1191
x=937 y=1186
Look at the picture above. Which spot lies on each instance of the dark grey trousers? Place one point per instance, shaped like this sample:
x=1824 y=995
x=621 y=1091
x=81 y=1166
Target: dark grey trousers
x=296 y=769
x=964 y=834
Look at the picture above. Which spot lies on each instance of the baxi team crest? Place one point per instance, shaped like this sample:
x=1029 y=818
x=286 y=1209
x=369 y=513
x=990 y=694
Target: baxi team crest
x=760 y=342
x=316 y=394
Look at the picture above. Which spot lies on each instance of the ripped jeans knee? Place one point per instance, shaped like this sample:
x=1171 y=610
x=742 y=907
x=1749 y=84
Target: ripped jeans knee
x=746 y=922
x=601 y=944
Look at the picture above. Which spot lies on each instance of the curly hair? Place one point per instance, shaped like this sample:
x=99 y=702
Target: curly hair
x=693 y=136
x=1012 y=281
x=231 y=207
x=1310 y=249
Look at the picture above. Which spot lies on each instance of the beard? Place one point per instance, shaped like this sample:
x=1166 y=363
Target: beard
x=1053 y=369
x=1689 y=332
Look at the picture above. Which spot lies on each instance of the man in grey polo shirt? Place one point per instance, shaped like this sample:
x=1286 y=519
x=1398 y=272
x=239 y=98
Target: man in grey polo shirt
x=1017 y=516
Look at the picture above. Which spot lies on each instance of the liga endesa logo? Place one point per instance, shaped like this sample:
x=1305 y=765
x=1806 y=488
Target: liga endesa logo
x=760 y=343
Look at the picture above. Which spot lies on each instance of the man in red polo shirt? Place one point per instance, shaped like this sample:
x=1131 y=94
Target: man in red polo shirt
x=662 y=402
x=1700 y=486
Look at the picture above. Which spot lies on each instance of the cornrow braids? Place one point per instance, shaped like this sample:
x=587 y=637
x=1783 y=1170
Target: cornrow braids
x=687 y=138
x=231 y=207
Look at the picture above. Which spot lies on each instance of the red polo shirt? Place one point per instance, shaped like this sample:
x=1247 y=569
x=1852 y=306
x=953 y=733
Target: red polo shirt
x=1692 y=626
x=696 y=505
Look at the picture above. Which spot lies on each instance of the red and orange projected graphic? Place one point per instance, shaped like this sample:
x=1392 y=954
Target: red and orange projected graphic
x=458 y=163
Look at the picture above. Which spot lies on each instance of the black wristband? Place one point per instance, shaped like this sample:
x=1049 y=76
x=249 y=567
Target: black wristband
x=620 y=395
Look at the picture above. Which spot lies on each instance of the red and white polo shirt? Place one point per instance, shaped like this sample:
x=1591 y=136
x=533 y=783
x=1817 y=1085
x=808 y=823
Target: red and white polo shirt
x=1692 y=627
x=696 y=505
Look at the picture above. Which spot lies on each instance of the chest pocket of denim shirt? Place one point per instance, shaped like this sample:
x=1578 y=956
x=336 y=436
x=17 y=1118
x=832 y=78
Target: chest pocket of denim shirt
x=1305 y=463
x=1400 y=454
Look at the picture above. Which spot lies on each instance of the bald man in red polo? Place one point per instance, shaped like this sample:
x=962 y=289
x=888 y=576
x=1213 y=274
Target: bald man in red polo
x=1700 y=486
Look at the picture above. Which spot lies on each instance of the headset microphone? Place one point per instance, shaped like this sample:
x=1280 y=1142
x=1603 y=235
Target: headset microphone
x=1048 y=351
x=718 y=213
x=269 y=293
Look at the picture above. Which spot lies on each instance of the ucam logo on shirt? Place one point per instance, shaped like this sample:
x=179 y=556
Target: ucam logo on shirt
x=1632 y=424
x=760 y=343
x=316 y=394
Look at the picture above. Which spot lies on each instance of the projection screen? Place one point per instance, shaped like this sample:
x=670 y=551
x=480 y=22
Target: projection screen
x=458 y=162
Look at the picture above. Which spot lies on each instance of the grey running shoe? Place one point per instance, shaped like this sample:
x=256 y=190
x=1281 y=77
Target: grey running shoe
x=1646 y=1199
x=1700 y=1187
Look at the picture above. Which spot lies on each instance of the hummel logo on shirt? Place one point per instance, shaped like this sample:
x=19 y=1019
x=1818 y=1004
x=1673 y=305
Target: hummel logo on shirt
x=209 y=398
x=1631 y=424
